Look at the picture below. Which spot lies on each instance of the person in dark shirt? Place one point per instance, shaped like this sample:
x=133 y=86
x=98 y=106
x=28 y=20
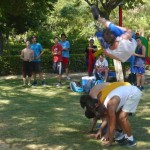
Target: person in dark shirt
x=89 y=56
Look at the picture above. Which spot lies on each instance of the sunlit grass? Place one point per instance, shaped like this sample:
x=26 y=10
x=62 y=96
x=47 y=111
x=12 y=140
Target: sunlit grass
x=50 y=118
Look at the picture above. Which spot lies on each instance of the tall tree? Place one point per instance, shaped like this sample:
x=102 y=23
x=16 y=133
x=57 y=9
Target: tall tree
x=106 y=6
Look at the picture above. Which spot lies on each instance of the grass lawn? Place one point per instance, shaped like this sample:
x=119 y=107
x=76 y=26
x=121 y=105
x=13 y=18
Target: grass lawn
x=50 y=118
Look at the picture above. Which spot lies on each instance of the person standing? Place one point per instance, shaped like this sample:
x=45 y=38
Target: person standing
x=65 y=54
x=27 y=55
x=57 y=60
x=36 y=63
x=89 y=55
x=139 y=64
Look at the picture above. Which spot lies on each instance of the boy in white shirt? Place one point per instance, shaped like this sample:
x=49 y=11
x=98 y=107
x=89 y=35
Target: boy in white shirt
x=121 y=44
x=101 y=67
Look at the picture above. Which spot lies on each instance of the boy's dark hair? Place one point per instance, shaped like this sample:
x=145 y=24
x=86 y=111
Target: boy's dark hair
x=87 y=101
x=89 y=114
x=108 y=36
x=32 y=37
x=56 y=37
x=63 y=34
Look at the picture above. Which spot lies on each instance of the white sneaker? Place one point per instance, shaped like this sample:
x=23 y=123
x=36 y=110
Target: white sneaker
x=68 y=78
x=58 y=84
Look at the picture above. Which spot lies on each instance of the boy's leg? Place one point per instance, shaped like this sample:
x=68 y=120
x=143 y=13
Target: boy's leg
x=117 y=31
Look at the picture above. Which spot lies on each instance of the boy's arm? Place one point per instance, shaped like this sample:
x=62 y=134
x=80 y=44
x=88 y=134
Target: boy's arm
x=111 y=107
x=103 y=125
x=32 y=55
x=93 y=124
x=22 y=55
x=109 y=55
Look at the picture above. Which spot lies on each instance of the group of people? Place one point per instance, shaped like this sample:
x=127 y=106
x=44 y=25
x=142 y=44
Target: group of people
x=112 y=103
x=96 y=67
x=116 y=43
x=32 y=63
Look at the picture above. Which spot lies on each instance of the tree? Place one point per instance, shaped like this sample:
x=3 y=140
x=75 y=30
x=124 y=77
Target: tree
x=106 y=6
x=25 y=14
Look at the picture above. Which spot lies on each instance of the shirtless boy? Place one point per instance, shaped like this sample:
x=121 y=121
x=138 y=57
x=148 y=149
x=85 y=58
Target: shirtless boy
x=27 y=55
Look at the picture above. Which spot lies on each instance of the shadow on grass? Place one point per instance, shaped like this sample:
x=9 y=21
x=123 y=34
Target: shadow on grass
x=51 y=118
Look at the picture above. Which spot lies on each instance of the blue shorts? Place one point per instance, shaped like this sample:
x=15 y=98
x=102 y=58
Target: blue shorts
x=139 y=70
x=116 y=31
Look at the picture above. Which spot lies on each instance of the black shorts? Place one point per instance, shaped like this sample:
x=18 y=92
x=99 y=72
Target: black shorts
x=57 y=67
x=27 y=69
x=36 y=66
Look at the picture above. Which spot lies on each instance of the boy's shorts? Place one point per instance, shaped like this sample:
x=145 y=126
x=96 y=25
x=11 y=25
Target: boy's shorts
x=139 y=70
x=36 y=66
x=65 y=61
x=132 y=102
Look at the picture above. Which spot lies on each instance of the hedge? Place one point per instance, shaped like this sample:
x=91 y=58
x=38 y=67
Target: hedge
x=12 y=64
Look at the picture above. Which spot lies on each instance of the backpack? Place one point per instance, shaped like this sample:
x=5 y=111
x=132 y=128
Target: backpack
x=87 y=87
x=75 y=88
x=90 y=83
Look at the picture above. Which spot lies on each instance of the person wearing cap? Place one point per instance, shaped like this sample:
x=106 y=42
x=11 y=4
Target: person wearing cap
x=36 y=63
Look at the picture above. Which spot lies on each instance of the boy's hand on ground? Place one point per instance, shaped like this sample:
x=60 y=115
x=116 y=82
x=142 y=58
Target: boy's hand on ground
x=105 y=143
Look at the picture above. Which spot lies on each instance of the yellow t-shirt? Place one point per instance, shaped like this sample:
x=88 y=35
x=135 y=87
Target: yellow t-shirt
x=106 y=90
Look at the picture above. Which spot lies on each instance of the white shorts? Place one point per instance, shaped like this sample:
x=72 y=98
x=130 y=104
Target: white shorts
x=132 y=102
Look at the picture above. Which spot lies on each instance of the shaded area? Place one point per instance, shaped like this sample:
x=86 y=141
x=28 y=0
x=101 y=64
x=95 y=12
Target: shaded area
x=51 y=118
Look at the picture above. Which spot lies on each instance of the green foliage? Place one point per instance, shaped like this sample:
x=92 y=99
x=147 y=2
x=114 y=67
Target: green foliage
x=12 y=64
x=24 y=15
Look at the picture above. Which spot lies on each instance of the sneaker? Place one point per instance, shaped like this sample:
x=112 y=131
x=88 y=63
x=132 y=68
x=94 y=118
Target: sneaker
x=96 y=12
x=43 y=83
x=128 y=143
x=29 y=84
x=118 y=135
x=34 y=83
x=58 y=84
x=68 y=78
x=141 y=88
x=121 y=140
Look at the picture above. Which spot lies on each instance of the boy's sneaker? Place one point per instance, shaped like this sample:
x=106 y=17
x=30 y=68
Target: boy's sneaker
x=118 y=135
x=43 y=83
x=34 y=83
x=128 y=143
x=68 y=78
x=58 y=84
x=121 y=140
x=29 y=84
x=96 y=12
x=141 y=88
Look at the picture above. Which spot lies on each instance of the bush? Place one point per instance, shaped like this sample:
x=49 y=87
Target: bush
x=12 y=64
